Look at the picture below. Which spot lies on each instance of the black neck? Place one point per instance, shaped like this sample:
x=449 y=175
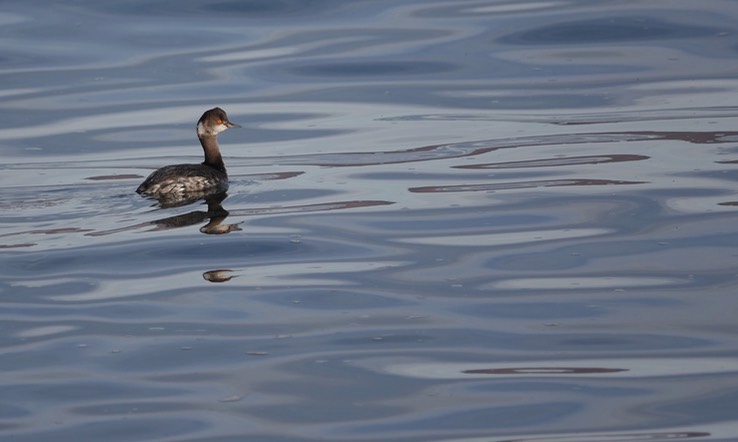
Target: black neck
x=212 y=152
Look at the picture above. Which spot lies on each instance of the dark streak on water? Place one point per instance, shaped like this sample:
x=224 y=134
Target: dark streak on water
x=448 y=221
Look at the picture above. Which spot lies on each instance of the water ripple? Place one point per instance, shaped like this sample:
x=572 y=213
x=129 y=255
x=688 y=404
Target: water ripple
x=447 y=221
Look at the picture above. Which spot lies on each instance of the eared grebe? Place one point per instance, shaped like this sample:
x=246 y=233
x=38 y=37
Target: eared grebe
x=182 y=180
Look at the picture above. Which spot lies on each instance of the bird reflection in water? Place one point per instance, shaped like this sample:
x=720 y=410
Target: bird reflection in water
x=216 y=214
x=219 y=275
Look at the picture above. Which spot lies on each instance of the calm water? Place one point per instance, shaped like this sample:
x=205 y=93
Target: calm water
x=468 y=221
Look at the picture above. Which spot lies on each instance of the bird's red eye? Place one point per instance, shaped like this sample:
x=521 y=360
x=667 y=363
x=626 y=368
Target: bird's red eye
x=220 y=121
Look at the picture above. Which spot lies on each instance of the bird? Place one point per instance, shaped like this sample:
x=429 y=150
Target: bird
x=184 y=181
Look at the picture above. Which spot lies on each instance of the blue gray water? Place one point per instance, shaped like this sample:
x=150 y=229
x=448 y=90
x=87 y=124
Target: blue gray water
x=459 y=220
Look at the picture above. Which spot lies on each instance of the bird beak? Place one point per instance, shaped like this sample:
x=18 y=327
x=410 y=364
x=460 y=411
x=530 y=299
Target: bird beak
x=230 y=125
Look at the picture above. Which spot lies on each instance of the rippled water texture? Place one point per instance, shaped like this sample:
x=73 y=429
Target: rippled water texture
x=468 y=221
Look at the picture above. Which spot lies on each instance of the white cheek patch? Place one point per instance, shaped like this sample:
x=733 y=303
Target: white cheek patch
x=202 y=130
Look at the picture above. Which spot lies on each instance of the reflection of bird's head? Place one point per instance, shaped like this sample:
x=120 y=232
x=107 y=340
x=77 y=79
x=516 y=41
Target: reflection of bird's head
x=220 y=275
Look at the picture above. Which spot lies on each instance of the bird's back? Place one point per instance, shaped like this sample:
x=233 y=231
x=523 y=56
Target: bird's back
x=184 y=178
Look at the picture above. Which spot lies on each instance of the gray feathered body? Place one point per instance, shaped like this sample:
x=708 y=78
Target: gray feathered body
x=184 y=178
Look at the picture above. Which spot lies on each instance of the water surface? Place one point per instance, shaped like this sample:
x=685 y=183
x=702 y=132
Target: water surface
x=448 y=221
